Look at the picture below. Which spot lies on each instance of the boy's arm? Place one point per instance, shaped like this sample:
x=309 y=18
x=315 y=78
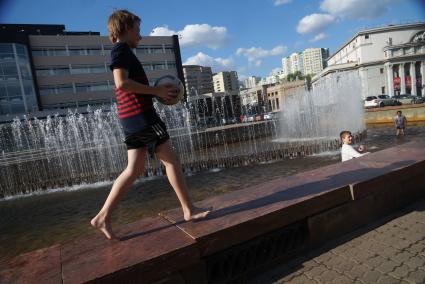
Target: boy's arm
x=124 y=83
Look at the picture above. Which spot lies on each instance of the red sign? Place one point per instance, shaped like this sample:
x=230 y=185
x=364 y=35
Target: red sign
x=408 y=82
x=396 y=82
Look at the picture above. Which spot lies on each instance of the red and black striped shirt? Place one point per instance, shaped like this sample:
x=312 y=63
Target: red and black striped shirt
x=136 y=111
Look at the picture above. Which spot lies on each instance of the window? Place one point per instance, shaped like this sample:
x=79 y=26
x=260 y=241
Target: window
x=381 y=70
x=366 y=36
x=383 y=90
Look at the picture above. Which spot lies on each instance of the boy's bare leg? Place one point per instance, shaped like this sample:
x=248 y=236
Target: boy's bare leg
x=136 y=164
x=177 y=180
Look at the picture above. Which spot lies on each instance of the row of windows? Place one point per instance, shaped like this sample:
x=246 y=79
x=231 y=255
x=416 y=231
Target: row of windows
x=77 y=104
x=76 y=88
x=83 y=51
x=14 y=89
x=99 y=68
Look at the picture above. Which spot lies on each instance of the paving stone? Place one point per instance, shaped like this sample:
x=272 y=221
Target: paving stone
x=400 y=272
x=375 y=261
x=388 y=280
x=415 y=262
x=387 y=266
x=371 y=276
x=417 y=276
x=327 y=276
x=402 y=256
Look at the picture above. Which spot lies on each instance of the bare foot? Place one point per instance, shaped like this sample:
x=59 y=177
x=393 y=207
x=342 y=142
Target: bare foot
x=100 y=222
x=196 y=213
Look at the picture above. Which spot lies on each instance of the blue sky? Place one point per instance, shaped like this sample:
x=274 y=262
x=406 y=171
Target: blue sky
x=249 y=36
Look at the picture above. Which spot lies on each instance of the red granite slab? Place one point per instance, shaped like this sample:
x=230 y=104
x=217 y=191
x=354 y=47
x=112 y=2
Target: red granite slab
x=399 y=165
x=150 y=248
x=244 y=214
x=40 y=266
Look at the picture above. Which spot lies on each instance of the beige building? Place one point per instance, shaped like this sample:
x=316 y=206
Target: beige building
x=226 y=81
x=198 y=79
x=59 y=69
x=314 y=60
x=269 y=98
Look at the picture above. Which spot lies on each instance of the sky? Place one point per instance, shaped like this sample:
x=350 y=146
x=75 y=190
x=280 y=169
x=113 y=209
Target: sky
x=247 y=36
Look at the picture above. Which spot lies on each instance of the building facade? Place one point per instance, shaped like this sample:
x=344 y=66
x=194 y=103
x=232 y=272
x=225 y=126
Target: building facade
x=390 y=60
x=314 y=60
x=226 y=81
x=47 y=68
x=198 y=79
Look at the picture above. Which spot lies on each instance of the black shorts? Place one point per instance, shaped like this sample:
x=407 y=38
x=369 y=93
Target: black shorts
x=150 y=137
x=400 y=127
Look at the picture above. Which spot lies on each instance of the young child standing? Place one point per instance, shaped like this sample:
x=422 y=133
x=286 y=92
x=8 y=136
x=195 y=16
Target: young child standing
x=144 y=131
x=400 y=122
x=347 y=151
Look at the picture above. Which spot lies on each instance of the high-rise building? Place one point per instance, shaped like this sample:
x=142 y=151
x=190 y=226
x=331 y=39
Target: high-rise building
x=44 y=67
x=314 y=60
x=309 y=61
x=251 y=81
x=297 y=63
x=286 y=66
x=198 y=79
x=226 y=81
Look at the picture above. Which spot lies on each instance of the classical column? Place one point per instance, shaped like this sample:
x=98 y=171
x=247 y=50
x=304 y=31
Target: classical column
x=390 y=80
x=402 y=79
x=413 y=78
x=423 y=77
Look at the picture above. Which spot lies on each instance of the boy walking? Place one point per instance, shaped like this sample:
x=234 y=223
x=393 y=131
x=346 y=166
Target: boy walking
x=347 y=151
x=144 y=131
x=400 y=122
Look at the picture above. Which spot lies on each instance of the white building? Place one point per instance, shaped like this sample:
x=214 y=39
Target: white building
x=226 y=81
x=251 y=81
x=390 y=60
x=286 y=66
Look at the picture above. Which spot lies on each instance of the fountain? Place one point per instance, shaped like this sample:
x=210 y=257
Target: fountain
x=333 y=105
x=62 y=151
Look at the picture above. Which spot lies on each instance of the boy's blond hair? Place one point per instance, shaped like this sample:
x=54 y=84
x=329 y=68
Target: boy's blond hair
x=119 y=22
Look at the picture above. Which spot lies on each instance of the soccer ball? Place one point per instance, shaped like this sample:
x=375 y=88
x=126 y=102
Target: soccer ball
x=169 y=80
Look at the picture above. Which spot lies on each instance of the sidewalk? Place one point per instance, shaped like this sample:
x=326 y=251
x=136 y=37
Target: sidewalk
x=391 y=250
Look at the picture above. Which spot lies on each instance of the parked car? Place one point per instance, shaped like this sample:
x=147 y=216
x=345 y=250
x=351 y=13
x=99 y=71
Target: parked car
x=268 y=116
x=385 y=100
x=419 y=100
x=250 y=118
x=405 y=99
x=259 y=117
x=371 y=101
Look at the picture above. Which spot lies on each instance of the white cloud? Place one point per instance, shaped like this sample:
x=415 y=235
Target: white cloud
x=217 y=64
x=319 y=37
x=314 y=23
x=162 y=31
x=356 y=9
x=255 y=54
x=281 y=2
x=196 y=35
